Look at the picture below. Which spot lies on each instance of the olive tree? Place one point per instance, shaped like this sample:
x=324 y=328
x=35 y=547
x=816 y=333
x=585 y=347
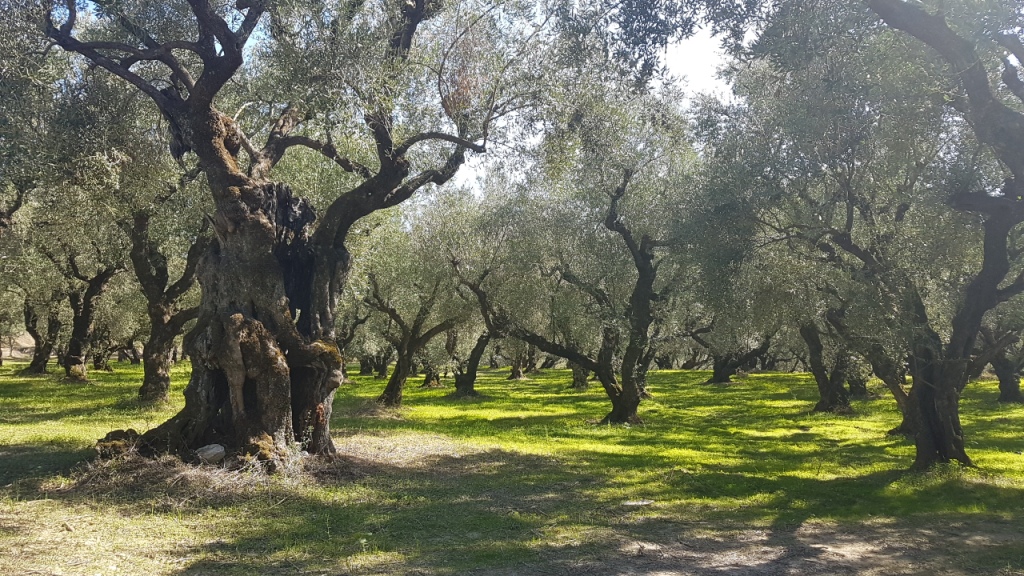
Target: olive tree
x=414 y=86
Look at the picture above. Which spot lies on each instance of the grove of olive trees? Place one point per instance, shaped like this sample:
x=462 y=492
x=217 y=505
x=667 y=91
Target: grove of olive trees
x=273 y=187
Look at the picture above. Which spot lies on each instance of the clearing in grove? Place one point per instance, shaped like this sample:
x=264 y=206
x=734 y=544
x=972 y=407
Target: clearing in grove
x=724 y=480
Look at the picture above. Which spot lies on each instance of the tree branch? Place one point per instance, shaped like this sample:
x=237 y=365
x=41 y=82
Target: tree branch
x=425 y=136
x=994 y=123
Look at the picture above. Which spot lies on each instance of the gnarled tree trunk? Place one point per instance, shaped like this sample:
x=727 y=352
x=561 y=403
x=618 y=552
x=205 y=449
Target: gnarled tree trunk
x=1009 y=379
x=260 y=379
x=580 y=376
x=44 y=345
x=832 y=394
x=392 y=394
x=83 y=307
x=166 y=319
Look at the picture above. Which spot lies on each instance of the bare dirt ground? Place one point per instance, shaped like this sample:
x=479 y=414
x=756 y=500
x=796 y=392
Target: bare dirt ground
x=121 y=519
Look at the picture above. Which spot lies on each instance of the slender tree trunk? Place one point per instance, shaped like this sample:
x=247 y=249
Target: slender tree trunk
x=530 y=365
x=381 y=365
x=81 y=327
x=465 y=379
x=344 y=369
x=892 y=373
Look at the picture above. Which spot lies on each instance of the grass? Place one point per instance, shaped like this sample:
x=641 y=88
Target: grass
x=520 y=481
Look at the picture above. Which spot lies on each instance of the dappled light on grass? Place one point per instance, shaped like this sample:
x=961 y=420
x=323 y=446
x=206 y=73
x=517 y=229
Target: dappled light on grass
x=519 y=482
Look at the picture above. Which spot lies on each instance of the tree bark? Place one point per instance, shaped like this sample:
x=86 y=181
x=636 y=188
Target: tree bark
x=156 y=365
x=392 y=394
x=83 y=306
x=518 y=368
x=832 y=394
x=465 y=377
x=43 y=345
x=366 y=365
x=580 y=376
x=1009 y=379
x=167 y=320
x=530 y=365
x=858 y=385
x=101 y=359
x=431 y=376
x=936 y=402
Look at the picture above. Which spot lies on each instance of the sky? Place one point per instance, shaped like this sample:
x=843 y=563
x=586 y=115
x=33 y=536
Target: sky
x=694 y=61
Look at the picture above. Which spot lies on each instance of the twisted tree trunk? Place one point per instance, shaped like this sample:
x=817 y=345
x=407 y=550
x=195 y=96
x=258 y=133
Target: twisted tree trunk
x=465 y=376
x=44 y=345
x=580 y=376
x=83 y=307
x=832 y=394
x=1009 y=379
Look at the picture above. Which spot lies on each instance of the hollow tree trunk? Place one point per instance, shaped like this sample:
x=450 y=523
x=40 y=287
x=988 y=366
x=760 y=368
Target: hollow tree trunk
x=465 y=379
x=43 y=345
x=832 y=394
x=264 y=372
x=1009 y=379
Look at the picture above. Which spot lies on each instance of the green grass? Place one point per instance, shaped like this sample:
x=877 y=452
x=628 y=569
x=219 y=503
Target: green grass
x=518 y=481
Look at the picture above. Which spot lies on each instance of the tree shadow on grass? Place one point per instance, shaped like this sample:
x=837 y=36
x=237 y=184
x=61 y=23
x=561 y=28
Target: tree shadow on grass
x=25 y=462
x=807 y=526
x=436 y=510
